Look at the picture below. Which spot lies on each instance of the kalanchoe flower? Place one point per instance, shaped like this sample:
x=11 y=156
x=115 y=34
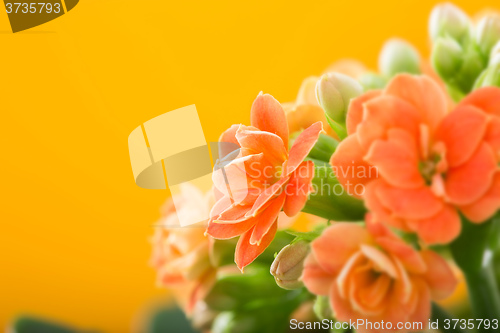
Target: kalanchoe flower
x=288 y=265
x=447 y=20
x=431 y=164
x=487 y=32
x=334 y=92
x=398 y=56
x=181 y=255
x=271 y=176
x=373 y=275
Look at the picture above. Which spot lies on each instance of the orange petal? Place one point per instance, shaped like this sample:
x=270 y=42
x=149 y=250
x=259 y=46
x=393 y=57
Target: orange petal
x=269 y=193
x=298 y=188
x=341 y=307
x=409 y=203
x=422 y=311
x=423 y=93
x=470 y=181
x=265 y=220
x=386 y=112
x=348 y=161
x=486 y=99
x=440 y=228
x=302 y=146
x=406 y=254
x=342 y=240
x=397 y=159
x=493 y=135
x=233 y=214
x=461 y=131
x=315 y=278
x=246 y=253
x=381 y=261
x=379 y=213
x=486 y=206
x=220 y=230
x=264 y=142
x=355 y=114
x=268 y=115
x=439 y=276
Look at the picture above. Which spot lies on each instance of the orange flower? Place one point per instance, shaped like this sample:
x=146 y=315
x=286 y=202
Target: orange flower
x=264 y=178
x=373 y=275
x=181 y=255
x=430 y=163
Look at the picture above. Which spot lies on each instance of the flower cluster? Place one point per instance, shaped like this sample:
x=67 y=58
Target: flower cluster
x=415 y=148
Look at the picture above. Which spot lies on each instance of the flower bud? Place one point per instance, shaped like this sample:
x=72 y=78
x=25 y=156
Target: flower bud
x=488 y=32
x=447 y=20
x=322 y=308
x=372 y=81
x=398 y=56
x=495 y=54
x=446 y=57
x=334 y=91
x=288 y=265
x=490 y=77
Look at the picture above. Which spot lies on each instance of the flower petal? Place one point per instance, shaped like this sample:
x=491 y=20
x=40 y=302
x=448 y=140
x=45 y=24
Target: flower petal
x=440 y=228
x=461 y=131
x=269 y=144
x=355 y=114
x=423 y=93
x=265 y=220
x=439 y=276
x=315 y=278
x=470 y=181
x=246 y=253
x=348 y=161
x=302 y=146
x=342 y=240
x=486 y=99
x=486 y=206
x=298 y=188
x=409 y=203
x=397 y=159
x=268 y=115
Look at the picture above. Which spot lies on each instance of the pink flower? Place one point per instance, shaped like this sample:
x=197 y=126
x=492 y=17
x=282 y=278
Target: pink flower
x=373 y=275
x=264 y=178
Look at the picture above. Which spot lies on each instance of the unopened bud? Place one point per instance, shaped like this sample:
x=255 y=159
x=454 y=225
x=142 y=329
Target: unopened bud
x=446 y=57
x=447 y=20
x=495 y=54
x=334 y=91
x=371 y=81
x=488 y=32
x=322 y=308
x=398 y=56
x=288 y=265
x=490 y=77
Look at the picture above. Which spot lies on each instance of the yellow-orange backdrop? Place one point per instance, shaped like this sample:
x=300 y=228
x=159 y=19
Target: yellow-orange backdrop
x=74 y=226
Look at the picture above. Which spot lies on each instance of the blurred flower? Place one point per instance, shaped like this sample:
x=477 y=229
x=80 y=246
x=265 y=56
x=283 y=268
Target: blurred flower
x=398 y=56
x=447 y=20
x=487 y=32
x=495 y=54
x=306 y=111
x=371 y=274
x=430 y=163
x=490 y=77
x=181 y=255
x=271 y=176
x=288 y=265
x=334 y=92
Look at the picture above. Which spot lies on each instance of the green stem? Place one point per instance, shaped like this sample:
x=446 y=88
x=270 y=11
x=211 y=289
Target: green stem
x=472 y=253
x=440 y=315
x=330 y=200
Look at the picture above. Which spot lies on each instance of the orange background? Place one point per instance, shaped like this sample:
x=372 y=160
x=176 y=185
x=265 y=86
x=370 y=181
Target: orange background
x=74 y=226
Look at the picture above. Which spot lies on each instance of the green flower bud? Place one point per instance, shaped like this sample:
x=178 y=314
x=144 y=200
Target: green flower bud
x=488 y=33
x=490 y=77
x=447 y=20
x=334 y=91
x=495 y=54
x=446 y=57
x=398 y=56
x=322 y=308
x=288 y=265
x=372 y=81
